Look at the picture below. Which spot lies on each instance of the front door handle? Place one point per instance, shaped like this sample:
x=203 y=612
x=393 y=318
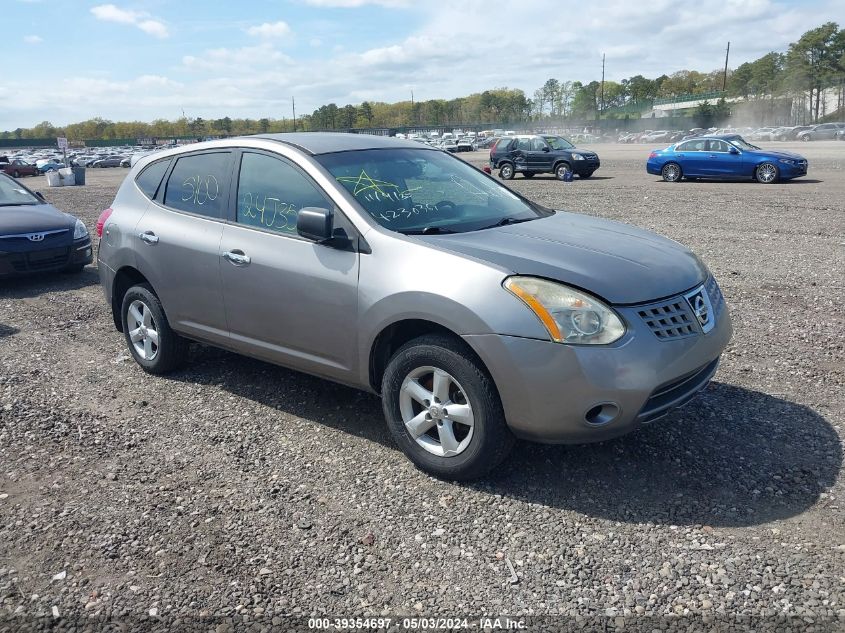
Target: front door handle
x=237 y=257
x=149 y=237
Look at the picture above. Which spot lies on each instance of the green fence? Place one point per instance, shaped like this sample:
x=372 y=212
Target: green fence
x=27 y=142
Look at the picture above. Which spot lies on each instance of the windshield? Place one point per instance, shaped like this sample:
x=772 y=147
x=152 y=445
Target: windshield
x=556 y=142
x=12 y=194
x=741 y=143
x=424 y=191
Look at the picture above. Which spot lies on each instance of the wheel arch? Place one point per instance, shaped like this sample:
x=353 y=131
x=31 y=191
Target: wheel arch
x=124 y=279
x=558 y=162
x=395 y=335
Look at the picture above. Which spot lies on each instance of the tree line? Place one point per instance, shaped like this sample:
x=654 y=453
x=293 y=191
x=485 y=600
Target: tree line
x=815 y=62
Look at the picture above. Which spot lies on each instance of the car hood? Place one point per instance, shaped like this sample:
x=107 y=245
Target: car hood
x=619 y=263
x=582 y=152
x=777 y=154
x=32 y=219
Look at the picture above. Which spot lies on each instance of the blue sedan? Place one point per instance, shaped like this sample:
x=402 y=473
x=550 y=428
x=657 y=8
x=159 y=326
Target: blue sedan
x=724 y=157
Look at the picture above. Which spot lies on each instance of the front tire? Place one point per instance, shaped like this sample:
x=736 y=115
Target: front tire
x=561 y=171
x=152 y=342
x=767 y=173
x=506 y=172
x=672 y=172
x=443 y=409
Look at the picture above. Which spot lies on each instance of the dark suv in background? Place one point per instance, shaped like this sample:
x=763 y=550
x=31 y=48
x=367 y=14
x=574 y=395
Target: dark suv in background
x=541 y=154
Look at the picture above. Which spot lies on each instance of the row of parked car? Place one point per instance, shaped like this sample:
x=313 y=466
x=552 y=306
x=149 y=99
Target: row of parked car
x=35 y=162
x=819 y=132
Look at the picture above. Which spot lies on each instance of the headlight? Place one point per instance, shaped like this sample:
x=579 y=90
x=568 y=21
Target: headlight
x=79 y=231
x=788 y=161
x=578 y=157
x=569 y=315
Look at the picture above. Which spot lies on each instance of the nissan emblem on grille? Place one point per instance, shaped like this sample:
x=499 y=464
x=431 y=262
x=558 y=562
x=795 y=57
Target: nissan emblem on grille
x=702 y=309
x=36 y=237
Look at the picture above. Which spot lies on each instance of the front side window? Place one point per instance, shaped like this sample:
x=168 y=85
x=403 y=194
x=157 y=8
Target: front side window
x=718 y=146
x=558 y=143
x=424 y=191
x=150 y=178
x=197 y=184
x=538 y=144
x=271 y=191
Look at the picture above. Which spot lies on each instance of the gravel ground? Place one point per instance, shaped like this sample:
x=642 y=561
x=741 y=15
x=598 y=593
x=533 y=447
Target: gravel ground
x=237 y=490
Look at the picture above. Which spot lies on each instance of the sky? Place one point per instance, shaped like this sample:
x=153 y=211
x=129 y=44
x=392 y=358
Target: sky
x=70 y=60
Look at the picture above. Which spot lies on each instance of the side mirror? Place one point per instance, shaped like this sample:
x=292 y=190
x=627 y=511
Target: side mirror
x=315 y=223
x=546 y=148
x=733 y=150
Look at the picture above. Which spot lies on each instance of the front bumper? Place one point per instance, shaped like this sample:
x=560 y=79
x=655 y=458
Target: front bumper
x=584 y=166
x=550 y=392
x=42 y=260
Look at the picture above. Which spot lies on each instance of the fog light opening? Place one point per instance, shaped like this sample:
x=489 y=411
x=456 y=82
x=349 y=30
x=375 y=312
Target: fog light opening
x=602 y=414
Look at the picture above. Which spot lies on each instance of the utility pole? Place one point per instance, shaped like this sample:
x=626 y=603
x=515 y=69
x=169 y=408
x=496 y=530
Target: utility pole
x=601 y=103
x=725 y=76
x=293 y=105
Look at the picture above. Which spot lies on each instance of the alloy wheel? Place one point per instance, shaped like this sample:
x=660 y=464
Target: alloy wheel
x=766 y=173
x=436 y=411
x=671 y=172
x=143 y=330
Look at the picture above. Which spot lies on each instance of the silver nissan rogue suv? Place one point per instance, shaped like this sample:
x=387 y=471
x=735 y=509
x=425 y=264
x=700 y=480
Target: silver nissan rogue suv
x=476 y=314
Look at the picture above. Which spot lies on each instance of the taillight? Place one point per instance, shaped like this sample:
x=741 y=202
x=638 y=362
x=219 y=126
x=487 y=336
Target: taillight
x=653 y=155
x=101 y=221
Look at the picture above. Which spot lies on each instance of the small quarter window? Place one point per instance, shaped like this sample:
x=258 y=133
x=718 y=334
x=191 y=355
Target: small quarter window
x=150 y=178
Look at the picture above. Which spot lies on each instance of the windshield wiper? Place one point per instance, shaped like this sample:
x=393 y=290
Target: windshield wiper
x=505 y=222
x=429 y=230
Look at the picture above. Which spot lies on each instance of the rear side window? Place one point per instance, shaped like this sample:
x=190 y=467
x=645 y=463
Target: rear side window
x=150 y=178
x=197 y=184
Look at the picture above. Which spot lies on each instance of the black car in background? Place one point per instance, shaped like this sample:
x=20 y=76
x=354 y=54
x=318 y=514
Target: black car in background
x=541 y=154
x=35 y=236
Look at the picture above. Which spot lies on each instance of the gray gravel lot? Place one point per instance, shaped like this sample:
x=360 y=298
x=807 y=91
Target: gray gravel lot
x=238 y=489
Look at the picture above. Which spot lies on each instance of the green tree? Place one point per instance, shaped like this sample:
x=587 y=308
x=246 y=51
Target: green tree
x=814 y=60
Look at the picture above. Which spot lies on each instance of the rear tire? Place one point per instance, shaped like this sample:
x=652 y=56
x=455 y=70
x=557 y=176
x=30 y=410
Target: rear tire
x=506 y=171
x=151 y=341
x=672 y=172
x=443 y=372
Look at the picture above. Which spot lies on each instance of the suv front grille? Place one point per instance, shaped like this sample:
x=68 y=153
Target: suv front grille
x=671 y=319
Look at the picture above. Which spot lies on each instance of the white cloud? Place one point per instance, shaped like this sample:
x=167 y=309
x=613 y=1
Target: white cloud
x=349 y=4
x=270 y=30
x=140 y=19
x=33 y=39
x=237 y=59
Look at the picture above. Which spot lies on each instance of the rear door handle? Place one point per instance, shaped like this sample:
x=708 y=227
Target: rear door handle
x=237 y=257
x=149 y=237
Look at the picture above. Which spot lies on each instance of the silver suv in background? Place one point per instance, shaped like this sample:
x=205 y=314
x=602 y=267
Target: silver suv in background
x=476 y=314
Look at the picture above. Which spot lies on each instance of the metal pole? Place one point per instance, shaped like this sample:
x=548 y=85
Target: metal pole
x=293 y=105
x=725 y=76
x=601 y=105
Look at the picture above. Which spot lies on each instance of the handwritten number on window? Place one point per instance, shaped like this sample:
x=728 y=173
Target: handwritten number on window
x=199 y=190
